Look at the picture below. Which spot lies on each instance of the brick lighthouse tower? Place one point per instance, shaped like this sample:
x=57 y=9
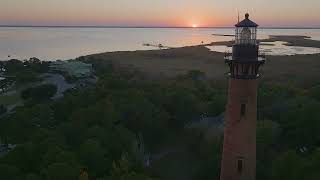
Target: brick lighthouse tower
x=239 y=148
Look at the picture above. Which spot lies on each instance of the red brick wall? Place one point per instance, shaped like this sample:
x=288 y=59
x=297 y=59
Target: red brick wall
x=240 y=132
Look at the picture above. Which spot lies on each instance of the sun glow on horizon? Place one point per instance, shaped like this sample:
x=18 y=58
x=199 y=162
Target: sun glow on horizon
x=144 y=13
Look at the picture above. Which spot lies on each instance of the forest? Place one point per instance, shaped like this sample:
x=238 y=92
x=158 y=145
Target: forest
x=115 y=129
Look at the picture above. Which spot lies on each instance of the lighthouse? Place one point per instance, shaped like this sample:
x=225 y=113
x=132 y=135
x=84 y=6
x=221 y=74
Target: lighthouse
x=239 y=148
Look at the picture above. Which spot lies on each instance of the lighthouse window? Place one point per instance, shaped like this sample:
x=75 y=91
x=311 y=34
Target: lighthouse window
x=243 y=110
x=240 y=165
x=245 y=35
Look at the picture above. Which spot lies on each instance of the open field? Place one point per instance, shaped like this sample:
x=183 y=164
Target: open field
x=297 y=69
x=301 y=70
x=169 y=62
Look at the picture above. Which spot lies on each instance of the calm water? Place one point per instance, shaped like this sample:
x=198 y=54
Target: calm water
x=69 y=43
x=273 y=48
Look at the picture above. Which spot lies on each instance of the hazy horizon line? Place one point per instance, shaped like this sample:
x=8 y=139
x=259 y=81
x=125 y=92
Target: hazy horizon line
x=201 y=27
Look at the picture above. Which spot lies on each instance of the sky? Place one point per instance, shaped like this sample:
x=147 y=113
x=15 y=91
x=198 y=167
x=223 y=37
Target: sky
x=173 y=13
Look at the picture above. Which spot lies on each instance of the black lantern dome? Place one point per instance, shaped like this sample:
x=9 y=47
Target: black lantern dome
x=246 y=31
x=247 y=22
x=245 y=60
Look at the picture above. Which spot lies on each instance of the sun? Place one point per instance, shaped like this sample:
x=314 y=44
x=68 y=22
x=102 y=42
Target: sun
x=194 y=25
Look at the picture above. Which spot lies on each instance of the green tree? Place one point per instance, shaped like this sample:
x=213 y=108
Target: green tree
x=301 y=123
x=39 y=93
x=3 y=109
x=288 y=166
x=267 y=134
x=83 y=175
x=61 y=171
x=315 y=92
x=94 y=157
x=32 y=176
x=312 y=166
x=9 y=172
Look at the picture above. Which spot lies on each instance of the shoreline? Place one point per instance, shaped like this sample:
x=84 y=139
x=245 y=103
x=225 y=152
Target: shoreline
x=290 y=40
x=170 y=63
x=167 y=63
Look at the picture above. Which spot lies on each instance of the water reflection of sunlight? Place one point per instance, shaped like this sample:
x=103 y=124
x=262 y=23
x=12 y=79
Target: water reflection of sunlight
x=274 y=48
x=67 y=43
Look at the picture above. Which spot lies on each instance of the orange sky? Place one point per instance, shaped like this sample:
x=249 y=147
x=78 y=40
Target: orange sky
x=275 y=13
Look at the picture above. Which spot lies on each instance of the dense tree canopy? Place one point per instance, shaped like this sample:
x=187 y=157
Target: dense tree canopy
x=39 y=93
x=108 y=131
